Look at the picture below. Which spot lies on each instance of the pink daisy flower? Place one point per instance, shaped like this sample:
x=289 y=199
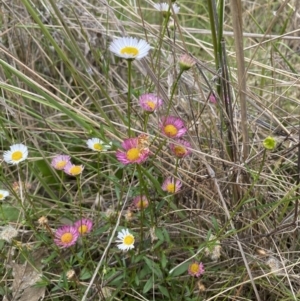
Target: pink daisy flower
x=171 y=185
x=134 y=152
x=140 y=202
x=196 y=269
x=181 y=148
x=150 y=102
x=66 y=236
x=173 y=127
x=83 y=226
x=60 y=161
x=73 y=170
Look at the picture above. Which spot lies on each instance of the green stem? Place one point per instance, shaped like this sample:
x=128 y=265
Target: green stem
x=129 y=98
x=176 y=166
x=142 y=209
x=79 y=195
x=213 y=31
x=62 y=181
x=98 y=168
x=146 y=118
x=164 y=28
x=173 y=91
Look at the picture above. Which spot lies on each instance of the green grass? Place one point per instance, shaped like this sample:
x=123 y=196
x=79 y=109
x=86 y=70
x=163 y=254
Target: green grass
x=60 y=86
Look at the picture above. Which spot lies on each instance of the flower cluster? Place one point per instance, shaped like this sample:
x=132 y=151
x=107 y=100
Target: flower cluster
x=63 y=162
x=67 y=235
x=174 y=127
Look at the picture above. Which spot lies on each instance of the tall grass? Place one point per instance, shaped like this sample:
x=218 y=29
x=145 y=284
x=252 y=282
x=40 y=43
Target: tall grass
x=237 y=210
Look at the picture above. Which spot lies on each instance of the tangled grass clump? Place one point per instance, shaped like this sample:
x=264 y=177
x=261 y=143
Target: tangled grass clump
x=150 y=151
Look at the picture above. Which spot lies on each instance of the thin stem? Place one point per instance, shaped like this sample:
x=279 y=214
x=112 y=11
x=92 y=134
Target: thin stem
x=79 y=194
x=142 y=209
x=129 y=98
x=213 y=31
x=173 y=91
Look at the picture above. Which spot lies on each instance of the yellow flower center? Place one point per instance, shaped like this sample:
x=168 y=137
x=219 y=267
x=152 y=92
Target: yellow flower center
x=142 y=204
x=83 y=229
x=98 y=147
x=17 y=155
x=60 y=164
x=1 y=196
x=75 y=170
x=129 y=50
x=66 y=238
x=170 y=130
x=171 y=188
x=194 y=268
x=128 y=240
x=133 y=154
x=151 y=105
x=179 y=150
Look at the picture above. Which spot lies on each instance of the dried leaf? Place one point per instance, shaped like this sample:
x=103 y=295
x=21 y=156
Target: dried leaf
x=25 y=277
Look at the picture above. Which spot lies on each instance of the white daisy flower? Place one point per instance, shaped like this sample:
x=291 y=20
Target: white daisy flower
x=165 y=7
x=125 y=239
x=98 y=145
x=16 y=154
x=129 y=48
x=3 y=194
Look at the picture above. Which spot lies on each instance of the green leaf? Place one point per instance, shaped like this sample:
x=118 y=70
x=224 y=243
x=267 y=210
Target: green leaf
x=145 y=271
x=181 y=269
x=159 y=234
x=154 y=267
x=9 y=213
x=50 y=258
x=85 y=274
x=163 y=260
x=164 y=291
x=166 y=235
x=148 y=285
